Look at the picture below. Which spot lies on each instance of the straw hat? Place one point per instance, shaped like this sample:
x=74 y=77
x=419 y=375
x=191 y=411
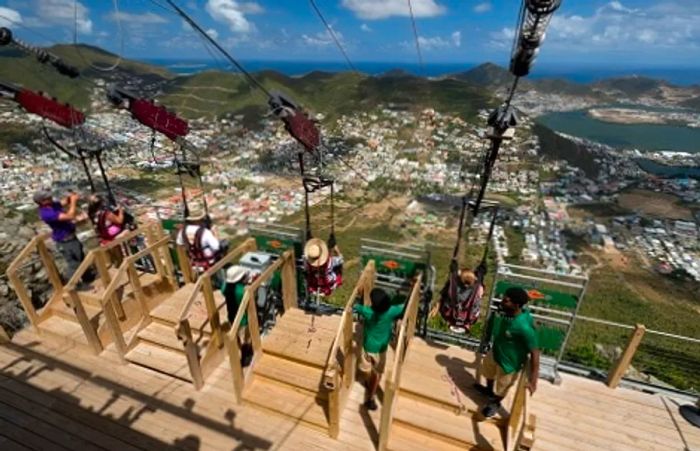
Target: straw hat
x=197 y=213
x=235 y=274
x=316 y=252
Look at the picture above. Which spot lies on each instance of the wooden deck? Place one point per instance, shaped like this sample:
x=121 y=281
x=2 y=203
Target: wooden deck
x=55 y=396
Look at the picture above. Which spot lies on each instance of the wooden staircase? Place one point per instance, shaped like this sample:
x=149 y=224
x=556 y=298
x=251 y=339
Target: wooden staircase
x=157 y=345
x=60 y=319
x=287 y=378
x=437 y=407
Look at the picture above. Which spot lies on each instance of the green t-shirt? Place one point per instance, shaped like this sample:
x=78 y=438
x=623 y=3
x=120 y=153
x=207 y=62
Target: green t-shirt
x=378 y=327
x=238 y=293
x=513 y=341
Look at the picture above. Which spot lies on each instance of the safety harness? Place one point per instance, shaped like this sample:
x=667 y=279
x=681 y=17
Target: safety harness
x=103 y=230
x=195 y=250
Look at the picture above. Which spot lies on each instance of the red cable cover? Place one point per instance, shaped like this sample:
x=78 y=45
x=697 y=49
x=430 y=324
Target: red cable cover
x=62 y=114
x=158 y=119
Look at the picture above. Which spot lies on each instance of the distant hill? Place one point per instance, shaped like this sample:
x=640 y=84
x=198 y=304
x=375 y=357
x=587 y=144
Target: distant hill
x=487 y=74
x=632 y=86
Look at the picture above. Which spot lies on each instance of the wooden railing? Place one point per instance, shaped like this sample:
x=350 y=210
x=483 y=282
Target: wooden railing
x=518 y=413
x=407 y=331
x=38 y=245
x=339 y=373
x=204 y=286
x=159 y=252
x=287 y=264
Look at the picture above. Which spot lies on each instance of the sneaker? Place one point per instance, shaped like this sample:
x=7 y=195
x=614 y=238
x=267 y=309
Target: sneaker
x=370 y=404
x=491 y=409
x=458 y=329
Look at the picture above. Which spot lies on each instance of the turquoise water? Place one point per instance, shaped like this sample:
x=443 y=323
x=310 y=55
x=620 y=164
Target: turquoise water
x=637 y=136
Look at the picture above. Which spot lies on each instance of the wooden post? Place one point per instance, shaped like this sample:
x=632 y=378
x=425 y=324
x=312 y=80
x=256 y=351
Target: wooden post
x=334 y=409
x=518 y=412
x=212 y=312
x=185 y=265
x=253 y=326
x=101 y=263
x=24 y=298
x=368 y=284
x=137 y=291
x=289 y=284
x=4 y=337
x=115 y=329
x=51 y=270
x=387 y=413
x=620 y=368
x=170 y=268
x=184 y=333
x=348 y=373
x=76 y=304
x=155 y=254
x=234 y=358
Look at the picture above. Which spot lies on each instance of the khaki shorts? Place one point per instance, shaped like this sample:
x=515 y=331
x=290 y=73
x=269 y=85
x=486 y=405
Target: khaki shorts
x=372 y=361
x=493 y=371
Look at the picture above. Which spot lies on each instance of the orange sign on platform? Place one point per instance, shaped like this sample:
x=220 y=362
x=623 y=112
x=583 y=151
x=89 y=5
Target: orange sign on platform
x=535 y=294
x=391 y=264
x=275 y=244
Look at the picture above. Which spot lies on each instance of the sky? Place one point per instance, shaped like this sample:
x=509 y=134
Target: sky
x=621 y=33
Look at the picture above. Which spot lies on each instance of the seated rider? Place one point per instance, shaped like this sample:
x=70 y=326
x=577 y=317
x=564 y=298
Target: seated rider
x=203 y=247
x=108 y=223
x=324 y=272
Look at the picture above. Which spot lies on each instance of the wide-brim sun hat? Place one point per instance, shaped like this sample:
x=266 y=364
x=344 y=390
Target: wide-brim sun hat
x=235 y=274
x=316 y=252
x=196 y=214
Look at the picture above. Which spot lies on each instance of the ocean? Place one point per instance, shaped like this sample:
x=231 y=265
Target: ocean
x=581 y=74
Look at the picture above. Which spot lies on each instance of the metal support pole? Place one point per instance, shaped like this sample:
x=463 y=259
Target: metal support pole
x=110 y=194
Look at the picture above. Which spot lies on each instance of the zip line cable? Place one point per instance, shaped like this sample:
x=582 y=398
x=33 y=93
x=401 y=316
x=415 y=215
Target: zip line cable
x=118 y=19
x=228 y=56
x=333 y=36
x=416 y=37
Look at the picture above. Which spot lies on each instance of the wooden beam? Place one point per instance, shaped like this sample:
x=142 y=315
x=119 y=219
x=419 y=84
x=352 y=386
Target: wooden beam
x=334 y=410
x=386 y=419
x=23 y=297
x=75 y=303
x=4 y=336
x=253 y=326
x=115 y=330
x=101 y=260
x=184 y=263
x=517 y=413
x=212 y=311
x=156 y=255
x=234 y=358
x=289 y=284
x=184 y=333
x=137 y=290
x=51 y=271
x=620 y=368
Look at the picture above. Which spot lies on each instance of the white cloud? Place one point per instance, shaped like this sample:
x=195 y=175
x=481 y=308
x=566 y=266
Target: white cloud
x=48 y=13
x=364 y=27
x=427 y=44
x=213 y=33
x=140 y=19
x=483 y=7
x=502 y=38
x=376 y=9
x=615 y=26
x=10 y=17
x=233 y=14
x=321 y=39
x=457 y=38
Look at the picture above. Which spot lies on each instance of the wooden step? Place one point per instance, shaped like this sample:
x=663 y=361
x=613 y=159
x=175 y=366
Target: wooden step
x=300 y=344
x=64 y=330
x=404 y=438
x=168 y=312
x=299 y=320
x=461 y=429
x=159 y=359
x=302 y=407
x=304 y=378
x=160 y=335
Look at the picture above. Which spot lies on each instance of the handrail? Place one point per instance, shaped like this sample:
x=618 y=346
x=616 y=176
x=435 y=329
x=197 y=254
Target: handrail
x=407 y=328
x=247 y=246
x=78 y=274
x=331 y=362
x=24 y=253
x=109 y=291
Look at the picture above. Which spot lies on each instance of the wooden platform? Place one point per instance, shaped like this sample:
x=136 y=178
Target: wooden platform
x=54 y=396
x=287 y=378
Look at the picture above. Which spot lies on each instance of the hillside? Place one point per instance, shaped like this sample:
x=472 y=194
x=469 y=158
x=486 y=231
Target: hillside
x=216 y=93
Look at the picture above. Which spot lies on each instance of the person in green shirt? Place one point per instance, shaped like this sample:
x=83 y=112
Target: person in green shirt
x=233 y=289
x=514 y=341
x=378 y=322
